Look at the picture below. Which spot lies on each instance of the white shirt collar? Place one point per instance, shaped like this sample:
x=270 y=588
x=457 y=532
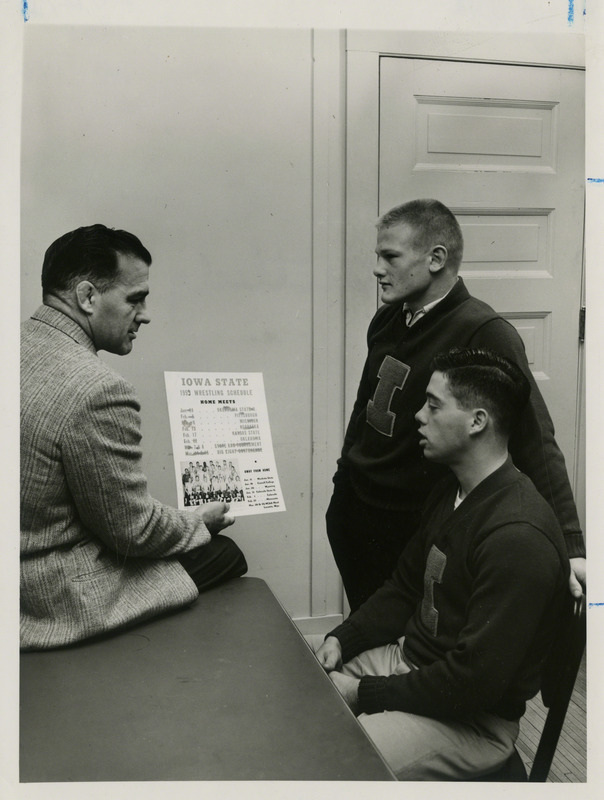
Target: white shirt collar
x=411 y=317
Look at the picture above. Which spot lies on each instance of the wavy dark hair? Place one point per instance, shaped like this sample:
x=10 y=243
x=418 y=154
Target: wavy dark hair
x=478 y=377
x=88 y=253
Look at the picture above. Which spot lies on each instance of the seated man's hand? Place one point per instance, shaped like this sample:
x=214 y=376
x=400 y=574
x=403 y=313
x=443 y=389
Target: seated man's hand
x=330 y=654
x=215 y=517
x=578 y=573
x=348 y=687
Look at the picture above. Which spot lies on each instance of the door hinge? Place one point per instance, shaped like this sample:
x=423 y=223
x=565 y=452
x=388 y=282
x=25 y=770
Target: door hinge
x=582 y=324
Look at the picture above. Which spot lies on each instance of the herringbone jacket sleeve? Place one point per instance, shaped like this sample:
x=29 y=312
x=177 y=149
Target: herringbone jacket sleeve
x=102 y=460
x=97 y=551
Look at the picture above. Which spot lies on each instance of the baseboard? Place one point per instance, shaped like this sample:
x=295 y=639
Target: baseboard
x=324 y=624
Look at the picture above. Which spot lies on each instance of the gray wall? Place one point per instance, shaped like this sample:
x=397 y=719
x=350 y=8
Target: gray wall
x=199 y=141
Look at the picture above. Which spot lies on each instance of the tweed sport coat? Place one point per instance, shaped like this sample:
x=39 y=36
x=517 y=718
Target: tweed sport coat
x=97 y=552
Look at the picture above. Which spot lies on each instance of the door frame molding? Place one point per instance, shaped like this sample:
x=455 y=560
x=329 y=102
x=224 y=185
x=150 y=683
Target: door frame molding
x=328 y=276
x=566 y=50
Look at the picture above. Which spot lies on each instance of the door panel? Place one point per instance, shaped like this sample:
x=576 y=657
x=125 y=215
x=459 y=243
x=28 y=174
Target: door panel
x=502 y=146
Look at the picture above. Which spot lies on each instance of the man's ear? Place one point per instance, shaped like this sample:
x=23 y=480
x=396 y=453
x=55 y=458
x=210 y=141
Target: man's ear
x=438 y=258
x=480 y=418
x=86 y=296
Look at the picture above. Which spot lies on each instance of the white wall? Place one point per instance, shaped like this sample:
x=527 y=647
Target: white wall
x=199 y=141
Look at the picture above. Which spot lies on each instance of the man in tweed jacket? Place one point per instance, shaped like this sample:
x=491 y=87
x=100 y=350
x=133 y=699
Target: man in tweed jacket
x=97 y=552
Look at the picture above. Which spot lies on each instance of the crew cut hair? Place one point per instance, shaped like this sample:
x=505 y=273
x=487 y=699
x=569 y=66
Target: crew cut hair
x=433 y=224
x=88 y=253
x=482 y=378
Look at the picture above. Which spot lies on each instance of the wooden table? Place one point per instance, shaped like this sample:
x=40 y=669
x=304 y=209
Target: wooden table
x=224 y=690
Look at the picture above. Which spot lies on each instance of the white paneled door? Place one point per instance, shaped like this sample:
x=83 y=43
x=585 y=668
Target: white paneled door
x=501 y=145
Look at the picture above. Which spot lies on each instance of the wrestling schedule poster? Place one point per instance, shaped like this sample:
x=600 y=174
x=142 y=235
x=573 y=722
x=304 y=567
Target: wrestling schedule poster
x=222 y=441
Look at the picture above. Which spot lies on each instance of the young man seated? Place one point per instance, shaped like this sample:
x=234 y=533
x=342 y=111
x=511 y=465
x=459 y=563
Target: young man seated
x=439 y=662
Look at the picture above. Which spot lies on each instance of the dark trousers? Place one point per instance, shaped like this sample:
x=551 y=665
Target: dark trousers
x=366 y=541
x=214 y=563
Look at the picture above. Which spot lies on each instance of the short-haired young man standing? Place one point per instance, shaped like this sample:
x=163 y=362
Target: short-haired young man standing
x=382 y=481
x=439 y=661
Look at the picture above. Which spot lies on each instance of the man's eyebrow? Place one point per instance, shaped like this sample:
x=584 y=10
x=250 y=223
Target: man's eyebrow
x=142 y=293
x=430 y=396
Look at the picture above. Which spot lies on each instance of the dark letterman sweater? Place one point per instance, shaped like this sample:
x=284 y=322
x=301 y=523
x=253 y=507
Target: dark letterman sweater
x=381 y=450
x=477 y=617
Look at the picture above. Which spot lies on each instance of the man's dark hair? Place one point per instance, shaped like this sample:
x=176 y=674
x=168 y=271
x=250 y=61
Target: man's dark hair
x=88 y=253
x=481 y=378
x=433 y=224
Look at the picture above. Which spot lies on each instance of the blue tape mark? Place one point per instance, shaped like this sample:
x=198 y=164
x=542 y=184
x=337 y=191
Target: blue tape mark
x=571 y=11
x=25 y=10
x=595 y=180
x=594 y=605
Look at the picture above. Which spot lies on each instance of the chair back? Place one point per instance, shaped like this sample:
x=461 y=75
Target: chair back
x=558 y=681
